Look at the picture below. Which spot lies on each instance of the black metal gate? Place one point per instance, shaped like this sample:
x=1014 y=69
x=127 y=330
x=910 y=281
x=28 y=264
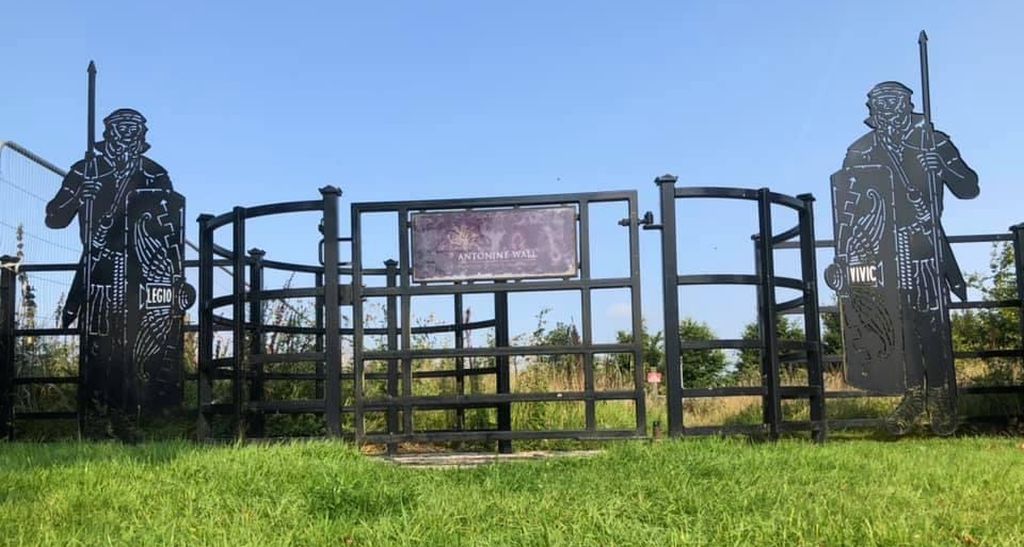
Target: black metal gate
x=807 y=350
x=395 y=364
x=391 y=415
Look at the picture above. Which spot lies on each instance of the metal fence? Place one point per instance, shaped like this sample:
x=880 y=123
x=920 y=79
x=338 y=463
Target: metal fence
x=1015 y=238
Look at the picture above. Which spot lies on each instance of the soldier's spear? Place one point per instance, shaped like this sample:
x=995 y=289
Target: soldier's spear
x=90 y=159
x=944 y=253
x=85 y=311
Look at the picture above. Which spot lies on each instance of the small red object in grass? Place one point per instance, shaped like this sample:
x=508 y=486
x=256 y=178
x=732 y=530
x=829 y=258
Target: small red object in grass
x=653 y=377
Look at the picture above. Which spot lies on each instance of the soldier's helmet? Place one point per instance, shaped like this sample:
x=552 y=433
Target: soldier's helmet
x=889 y=89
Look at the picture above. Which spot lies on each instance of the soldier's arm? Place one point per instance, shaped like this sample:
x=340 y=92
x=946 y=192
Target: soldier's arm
x=958 y=176
x=64 y=206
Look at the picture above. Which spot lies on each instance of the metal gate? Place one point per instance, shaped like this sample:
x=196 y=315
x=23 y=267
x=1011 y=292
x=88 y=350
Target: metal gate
x=392 y=414
x=807 y=350
x=396 y=363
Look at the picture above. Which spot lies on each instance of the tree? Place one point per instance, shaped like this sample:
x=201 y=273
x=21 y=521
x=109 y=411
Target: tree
x=749 y=365
x=996 y=328
x=832 y=339
x=701 y=368
x=653 y=350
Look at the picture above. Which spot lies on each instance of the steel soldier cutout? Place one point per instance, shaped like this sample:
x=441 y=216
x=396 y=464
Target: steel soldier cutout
x=895 y=311
x=132 y=264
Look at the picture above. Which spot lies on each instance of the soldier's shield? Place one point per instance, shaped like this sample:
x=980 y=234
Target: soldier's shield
x=865 y=277
x=157 y=296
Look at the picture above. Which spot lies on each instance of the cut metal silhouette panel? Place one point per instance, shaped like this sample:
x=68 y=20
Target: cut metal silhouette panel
x=158 y=294
x=865 y=277
x=129 y=293
x=894 y=268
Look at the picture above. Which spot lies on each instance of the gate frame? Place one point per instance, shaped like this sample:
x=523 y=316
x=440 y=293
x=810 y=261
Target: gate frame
x=401 y=289
x=771 y=391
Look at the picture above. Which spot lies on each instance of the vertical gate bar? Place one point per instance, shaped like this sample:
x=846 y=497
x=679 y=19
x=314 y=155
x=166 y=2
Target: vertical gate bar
x=460 y=362
x=257 y=420
x=639 y=376
x=238 y=321
x=204 y=387
x=406 y=323
x=769 y=342
x=318 y=340
x=8 y=294
x=590 y=410
x=332 y=315
x=1018 y=263
x=812 y=319
x=759 y=293
x=357 y=293
x=670 y=295
x=504 y=380
x=392 y=327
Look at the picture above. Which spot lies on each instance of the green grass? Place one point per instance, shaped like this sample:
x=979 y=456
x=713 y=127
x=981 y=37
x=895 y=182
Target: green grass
x=917 y=491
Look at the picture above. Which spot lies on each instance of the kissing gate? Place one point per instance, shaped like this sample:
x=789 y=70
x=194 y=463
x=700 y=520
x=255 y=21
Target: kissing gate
x=343 y=397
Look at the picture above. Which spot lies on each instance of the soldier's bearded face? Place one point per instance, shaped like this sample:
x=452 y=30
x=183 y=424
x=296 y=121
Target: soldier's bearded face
x=891 y=111
x=126 y=140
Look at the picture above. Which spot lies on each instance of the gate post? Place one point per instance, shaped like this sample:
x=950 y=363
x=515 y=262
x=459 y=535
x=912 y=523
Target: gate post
x=257 y=421
x=8 y=294
x=204 y=368
x=769 y=326
x=812 y=319
x=239 y=348
x=332 y=316
x=460 y=363
x=504 y=380
x=1018 y=263
x=670 y=296
x=392 y=334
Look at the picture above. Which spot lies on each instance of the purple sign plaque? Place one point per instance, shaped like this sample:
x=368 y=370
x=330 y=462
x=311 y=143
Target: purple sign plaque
x=494 y=244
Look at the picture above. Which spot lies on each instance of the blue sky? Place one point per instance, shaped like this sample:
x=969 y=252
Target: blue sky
x=253 y=102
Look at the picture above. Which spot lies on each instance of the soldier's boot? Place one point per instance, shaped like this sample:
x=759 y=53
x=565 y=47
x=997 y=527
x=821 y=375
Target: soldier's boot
x=942 y=410
x=901 y=421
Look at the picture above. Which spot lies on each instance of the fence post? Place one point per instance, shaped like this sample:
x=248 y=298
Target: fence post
x=769 y=331
x=257 y=421
x=1018 y=263
x=8 y=295
x=332 y=315
x=391 y=266
x=240 y=350
x=204 y=368
x=504 y=378
x=460 y=364
x=812 y=319
x=670 y=296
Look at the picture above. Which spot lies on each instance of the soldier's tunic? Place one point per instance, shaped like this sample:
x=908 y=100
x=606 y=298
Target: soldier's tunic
x=919 y=239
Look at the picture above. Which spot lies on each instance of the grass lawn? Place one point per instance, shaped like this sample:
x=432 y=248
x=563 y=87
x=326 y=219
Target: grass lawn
x=917 y=491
